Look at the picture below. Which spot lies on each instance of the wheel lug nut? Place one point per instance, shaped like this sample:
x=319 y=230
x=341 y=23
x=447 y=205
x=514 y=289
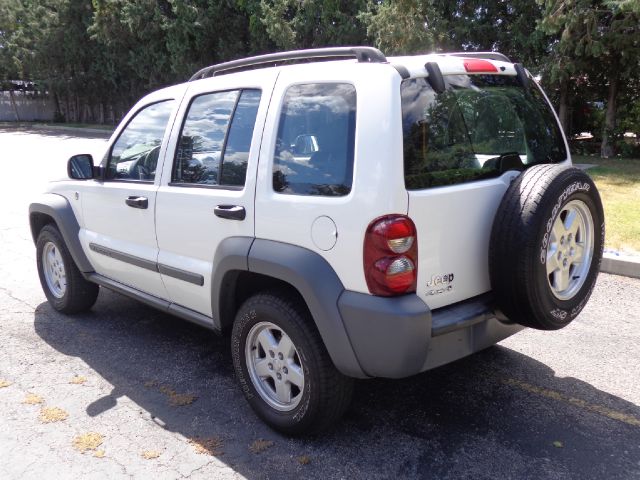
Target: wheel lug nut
x=279 y=376
x=564 y=262
x=280 y=356
x=285 y=370
x=561 y=240
x=271 y=354
x=559 y=255
x=271 y=366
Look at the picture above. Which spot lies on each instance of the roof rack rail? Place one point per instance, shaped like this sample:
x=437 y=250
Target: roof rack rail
x=362 y=54
x=488 y=55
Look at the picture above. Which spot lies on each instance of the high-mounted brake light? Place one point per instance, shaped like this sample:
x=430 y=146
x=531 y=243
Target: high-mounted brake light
x=479 y=66
x=391 y=255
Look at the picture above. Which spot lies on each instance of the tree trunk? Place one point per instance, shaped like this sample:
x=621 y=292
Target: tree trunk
x=562 y=106
x=56 y=102
x=13 y=104
x=607 y=148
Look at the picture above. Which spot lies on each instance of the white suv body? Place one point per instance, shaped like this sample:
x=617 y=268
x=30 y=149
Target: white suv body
x=169 y=228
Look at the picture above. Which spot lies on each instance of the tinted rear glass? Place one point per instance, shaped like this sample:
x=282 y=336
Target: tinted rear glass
x=479 y=127
x=315 y=142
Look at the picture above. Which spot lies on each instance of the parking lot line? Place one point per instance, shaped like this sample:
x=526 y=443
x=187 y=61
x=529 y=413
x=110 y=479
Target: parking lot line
x=577 y=402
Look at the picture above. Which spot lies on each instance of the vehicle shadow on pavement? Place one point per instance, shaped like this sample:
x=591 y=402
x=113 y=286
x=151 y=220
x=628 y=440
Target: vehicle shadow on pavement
x=496 y=414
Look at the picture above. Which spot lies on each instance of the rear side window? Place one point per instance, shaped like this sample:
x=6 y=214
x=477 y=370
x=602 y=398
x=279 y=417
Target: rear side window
x=213 y=148
x=315 y=141
x=478 y=128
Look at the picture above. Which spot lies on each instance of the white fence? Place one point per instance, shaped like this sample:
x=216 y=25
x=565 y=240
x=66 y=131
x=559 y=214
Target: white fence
x=25 y=107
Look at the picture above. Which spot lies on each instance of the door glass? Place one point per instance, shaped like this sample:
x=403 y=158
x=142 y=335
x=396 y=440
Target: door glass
x=134 y=155
x=199 y=152
x=213 y=148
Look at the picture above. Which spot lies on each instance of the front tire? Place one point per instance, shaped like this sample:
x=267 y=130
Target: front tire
x=64 y=286
x=283 y=366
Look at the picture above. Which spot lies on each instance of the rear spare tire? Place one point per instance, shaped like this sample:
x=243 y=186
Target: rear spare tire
x=546 y=246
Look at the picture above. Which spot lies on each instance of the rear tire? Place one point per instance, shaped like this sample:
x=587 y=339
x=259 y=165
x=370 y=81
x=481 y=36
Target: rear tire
x=546 y=246
x=283 y=366
x=64 y=286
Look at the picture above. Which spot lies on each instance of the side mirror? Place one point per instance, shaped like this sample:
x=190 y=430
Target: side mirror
x=80 y=167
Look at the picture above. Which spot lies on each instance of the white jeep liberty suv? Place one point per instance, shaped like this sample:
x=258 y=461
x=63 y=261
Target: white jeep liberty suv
x=343 y=214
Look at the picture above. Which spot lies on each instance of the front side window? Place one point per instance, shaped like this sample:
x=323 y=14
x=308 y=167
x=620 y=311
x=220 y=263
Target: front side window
x=214 y=144
x=134 y=155
x=478 y=128
x=315 y=142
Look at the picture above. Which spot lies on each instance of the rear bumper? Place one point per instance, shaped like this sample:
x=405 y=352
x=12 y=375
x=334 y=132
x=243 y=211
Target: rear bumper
x=398 y=337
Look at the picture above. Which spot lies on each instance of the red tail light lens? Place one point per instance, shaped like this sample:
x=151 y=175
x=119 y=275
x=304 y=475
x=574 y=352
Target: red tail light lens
x=479 y=66
x=391 y=256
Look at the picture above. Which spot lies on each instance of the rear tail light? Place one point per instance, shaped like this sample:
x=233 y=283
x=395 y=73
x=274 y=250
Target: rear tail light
x=391 y=256
x=479 y=66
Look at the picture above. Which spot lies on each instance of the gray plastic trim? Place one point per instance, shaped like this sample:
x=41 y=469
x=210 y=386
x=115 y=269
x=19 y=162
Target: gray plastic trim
x=192 y=316
x=145 y=298
x=180 y=274
x=464 y=341
x=462 y=315
x=59 y=209
x=174 y=272
x=320 y=288
x=230 y=259
x=124 y=257
x=390 y=336
x=153 y=301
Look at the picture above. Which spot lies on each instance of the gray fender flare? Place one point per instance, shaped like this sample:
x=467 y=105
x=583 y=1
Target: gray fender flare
x=320 y=287
x=58 y=208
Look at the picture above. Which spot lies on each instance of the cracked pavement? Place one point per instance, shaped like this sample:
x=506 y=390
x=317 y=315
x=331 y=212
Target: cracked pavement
x=559 y=405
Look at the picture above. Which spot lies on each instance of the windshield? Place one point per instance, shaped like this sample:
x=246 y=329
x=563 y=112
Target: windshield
x=481 y=126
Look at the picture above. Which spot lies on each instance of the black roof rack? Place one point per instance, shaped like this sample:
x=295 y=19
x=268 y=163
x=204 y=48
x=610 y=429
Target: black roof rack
x=488 y=55
x=362 y=54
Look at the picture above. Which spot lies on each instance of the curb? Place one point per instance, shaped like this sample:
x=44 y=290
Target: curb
x=105 y=132
x=625 y=265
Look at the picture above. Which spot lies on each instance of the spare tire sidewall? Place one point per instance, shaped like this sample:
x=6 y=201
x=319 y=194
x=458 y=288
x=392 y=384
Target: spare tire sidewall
x=557 y=311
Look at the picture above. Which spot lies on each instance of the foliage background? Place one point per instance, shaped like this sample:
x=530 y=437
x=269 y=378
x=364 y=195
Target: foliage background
x=96 y=58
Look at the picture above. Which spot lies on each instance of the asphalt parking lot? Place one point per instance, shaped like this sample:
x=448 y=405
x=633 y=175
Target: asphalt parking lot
x=126 y=391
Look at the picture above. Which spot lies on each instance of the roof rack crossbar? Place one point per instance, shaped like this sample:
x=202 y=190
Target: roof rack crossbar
x=362 y=54
x=488 y=55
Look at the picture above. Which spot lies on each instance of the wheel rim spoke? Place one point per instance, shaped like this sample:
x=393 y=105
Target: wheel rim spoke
x=558 y=231
x=53 y=270
x=285 y=346
x=570 y=250
x=552 y=261
x=274 y=366
x=296 y=376
x=262 y=368
x=267 y=340
x=283 y=391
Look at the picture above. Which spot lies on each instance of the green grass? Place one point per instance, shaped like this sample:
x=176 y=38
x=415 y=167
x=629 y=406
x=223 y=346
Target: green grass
x=74 y=125
x=618 y=181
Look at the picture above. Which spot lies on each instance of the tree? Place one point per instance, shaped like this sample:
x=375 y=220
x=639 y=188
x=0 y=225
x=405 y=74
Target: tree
x=402 y=26
x=313 y=23
x=595 y=38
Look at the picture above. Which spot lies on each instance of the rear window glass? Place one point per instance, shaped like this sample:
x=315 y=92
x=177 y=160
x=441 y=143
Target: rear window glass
x=481 y=126
x=315 y=141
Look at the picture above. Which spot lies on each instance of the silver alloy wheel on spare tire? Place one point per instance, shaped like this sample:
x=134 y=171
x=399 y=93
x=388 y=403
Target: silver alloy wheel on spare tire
x=274 y=366
x=53 y=269
x=571 y=250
